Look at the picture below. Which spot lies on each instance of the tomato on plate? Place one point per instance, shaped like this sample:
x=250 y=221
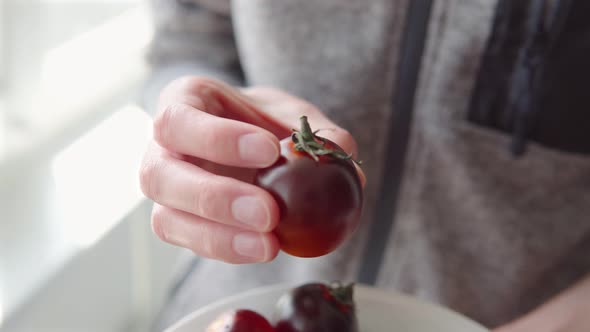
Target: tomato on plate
x=241 y=320
x=318 y=190
x=317 y=307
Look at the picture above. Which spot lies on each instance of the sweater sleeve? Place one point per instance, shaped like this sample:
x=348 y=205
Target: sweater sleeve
x=191 y=37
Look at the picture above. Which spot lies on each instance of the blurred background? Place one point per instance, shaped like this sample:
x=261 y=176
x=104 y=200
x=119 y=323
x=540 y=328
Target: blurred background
x=76 y=249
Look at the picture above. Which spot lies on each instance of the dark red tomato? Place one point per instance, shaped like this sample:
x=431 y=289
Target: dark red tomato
x=318 y=191
x=240 y=321
x=317 y=307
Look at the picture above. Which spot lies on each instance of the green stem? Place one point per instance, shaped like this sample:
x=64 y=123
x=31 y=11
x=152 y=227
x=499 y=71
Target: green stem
x=343 y=293
x=306 y=132
x=307 y=141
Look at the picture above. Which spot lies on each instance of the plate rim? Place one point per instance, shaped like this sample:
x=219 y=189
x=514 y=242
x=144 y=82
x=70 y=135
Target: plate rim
x=382 y=294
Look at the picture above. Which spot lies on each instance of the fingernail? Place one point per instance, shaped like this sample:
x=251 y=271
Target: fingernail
x=250 y=211
x=257 y=149
x=249 y=245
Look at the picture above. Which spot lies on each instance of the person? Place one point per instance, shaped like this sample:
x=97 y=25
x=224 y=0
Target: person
x=471 y=119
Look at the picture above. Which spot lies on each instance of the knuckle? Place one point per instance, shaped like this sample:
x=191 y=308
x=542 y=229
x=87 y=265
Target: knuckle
x=208 y=247
x=162 y=123
x=159 y=216
x=268 y=90
x=204 y=198
x=166 y=121
x=187 y=88
x=148 y=178
x=205 y=245
x=146 y=172
x=217 y=142
x=195 y=85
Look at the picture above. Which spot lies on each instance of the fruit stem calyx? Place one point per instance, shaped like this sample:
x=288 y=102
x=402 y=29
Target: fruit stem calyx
x=307 y=141
x=343 y=293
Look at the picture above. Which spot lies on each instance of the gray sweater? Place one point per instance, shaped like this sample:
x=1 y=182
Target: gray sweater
x=477 y=230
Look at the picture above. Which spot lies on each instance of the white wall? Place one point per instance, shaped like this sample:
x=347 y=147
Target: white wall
x=49 y=281
x=117 y=285
x=2 y=45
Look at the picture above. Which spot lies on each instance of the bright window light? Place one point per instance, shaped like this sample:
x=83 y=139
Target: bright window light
x=1 y=312
x=93 y=1
x=93 y=66
x=3 y=135
x=96 y=178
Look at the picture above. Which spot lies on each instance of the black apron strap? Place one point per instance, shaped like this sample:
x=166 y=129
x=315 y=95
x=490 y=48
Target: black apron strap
x=412 y=49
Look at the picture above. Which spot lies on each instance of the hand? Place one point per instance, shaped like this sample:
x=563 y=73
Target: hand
x=209 y=138
x=566 y=312
x=579 y=323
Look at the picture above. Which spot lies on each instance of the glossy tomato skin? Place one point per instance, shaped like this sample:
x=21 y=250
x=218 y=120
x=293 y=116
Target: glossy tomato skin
x=320 y=201
x=311 y=308
x=241 y=320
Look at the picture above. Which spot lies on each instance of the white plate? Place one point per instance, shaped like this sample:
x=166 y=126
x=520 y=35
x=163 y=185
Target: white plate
x=377 y=310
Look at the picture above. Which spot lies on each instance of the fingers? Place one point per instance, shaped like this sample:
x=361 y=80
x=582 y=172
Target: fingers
x=187 y=130
x=219 y=99
x=361 y=174
x=213 y=240
x=207 y=119
x=287 y=110
x=183 y=186
x=207 y=123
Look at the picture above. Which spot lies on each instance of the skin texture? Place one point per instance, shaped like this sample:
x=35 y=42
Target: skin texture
x=209 y=139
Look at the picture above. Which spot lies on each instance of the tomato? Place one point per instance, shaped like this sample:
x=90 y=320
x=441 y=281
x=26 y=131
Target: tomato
x=319 y=193
x=241 y=320
x=317 y=307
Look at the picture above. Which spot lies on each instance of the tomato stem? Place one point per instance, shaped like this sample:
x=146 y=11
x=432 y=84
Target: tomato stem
x=343 y=293
x=307 y=141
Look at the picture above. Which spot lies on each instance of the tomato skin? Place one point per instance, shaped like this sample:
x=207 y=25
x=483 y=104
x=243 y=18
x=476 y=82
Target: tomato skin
x=241 y=320
x=312 y=308
x=320 y=201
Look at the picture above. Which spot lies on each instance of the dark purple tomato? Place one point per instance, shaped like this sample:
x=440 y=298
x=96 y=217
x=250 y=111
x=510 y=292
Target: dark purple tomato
x=319 y=193
x=316 y=307
x=241 y=320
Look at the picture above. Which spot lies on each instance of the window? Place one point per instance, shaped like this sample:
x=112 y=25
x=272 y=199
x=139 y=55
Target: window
x=64 y=61
x=69 y=70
